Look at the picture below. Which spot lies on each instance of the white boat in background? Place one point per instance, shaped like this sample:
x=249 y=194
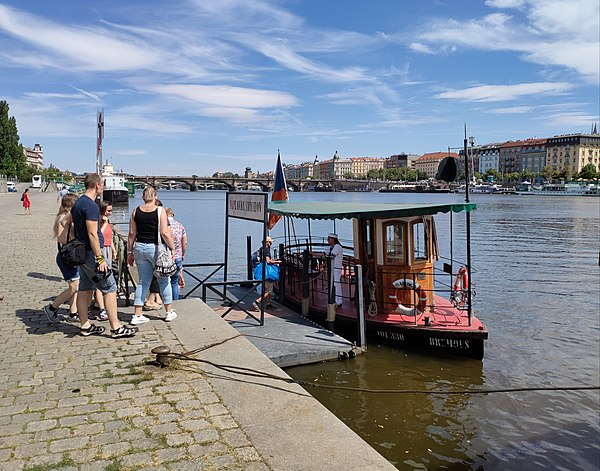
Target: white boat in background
x=559 y=189
x=480 y=188
x=115 y=191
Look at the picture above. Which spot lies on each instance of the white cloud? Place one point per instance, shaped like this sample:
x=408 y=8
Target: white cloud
x=570 y=120
x=284 y=56
x=485 y=93
x=560 y=33
x=505 y=3
x=92 y=50
x=227 y=96
x=512 y=110
x=420 y=47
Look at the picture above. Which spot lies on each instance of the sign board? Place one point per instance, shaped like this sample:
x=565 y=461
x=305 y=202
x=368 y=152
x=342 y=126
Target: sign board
x=251 y=206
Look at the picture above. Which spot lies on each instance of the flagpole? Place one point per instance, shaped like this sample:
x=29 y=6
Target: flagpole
x=100 y=137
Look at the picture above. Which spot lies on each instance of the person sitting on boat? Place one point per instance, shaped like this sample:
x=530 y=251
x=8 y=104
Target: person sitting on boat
x=266 y=257
x=335 y=251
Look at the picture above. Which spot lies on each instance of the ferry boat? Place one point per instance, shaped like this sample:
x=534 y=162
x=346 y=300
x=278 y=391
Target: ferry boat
x=412 y=296
x=559 y=189
x=115 y=191
x=415 y=188
x=485 y=188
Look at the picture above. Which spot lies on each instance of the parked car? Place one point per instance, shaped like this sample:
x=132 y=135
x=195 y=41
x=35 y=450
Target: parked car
x=11 y=187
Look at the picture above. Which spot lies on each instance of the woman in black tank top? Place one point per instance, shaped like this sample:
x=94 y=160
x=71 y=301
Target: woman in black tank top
x=142 y=248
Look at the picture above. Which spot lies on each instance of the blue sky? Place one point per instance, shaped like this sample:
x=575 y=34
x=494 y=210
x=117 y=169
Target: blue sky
x=197 y=86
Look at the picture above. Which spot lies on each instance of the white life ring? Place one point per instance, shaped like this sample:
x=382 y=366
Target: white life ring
x=405 y=283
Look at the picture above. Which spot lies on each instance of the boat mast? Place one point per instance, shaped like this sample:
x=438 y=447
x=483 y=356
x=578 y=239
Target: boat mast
x=468 y=216
x=100 y=136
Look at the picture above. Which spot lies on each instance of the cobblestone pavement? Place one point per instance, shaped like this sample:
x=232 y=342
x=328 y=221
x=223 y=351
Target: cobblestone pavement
x=93 y=403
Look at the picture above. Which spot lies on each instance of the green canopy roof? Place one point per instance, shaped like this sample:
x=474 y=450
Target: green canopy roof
x=349 y=210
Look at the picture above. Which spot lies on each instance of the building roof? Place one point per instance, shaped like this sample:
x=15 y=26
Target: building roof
x=437 y=156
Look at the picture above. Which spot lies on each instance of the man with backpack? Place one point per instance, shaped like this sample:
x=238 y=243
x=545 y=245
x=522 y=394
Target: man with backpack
x=94 y=272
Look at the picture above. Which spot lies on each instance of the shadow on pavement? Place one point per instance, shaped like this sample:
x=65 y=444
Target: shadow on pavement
x=34 y=274
x=37 y=323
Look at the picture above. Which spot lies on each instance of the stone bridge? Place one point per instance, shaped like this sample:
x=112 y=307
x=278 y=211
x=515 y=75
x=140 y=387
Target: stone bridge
x=252 y=183
x=195 y=182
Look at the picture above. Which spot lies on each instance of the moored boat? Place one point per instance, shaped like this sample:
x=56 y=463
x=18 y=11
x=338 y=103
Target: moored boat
x=559 y=189
x=413 y=297
x=115 y=191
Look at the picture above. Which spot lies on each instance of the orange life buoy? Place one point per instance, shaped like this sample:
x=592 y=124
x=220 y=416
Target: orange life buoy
x=461 y=285
x=462 y=280
x=405 y=283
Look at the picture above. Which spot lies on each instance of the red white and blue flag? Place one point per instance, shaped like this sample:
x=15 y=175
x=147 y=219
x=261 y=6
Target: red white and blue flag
x=280 y=193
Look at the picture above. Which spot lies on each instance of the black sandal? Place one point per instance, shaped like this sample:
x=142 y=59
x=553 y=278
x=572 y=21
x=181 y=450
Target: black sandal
x=123 y=332
x=92 y=330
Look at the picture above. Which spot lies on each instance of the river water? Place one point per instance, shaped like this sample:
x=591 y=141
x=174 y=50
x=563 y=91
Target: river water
x=538 y=292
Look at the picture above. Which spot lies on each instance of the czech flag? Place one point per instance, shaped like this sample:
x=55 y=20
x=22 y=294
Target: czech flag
x=280 y=193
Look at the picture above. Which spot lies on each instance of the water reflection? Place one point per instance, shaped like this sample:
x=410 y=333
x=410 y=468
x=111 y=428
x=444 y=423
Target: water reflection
x=406 y=428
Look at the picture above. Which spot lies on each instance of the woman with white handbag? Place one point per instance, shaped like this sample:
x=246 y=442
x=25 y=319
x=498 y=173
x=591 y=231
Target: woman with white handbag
x=147 y=226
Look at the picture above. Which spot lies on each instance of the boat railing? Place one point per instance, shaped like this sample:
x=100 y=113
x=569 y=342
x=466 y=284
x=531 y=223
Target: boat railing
x=314 y=280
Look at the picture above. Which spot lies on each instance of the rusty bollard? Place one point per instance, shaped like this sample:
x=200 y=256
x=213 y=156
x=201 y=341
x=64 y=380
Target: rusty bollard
x=162 y=355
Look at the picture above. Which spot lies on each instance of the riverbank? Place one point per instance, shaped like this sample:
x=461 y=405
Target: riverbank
x=90 y=403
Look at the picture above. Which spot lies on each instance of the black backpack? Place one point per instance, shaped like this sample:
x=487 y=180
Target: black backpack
x=73 y=252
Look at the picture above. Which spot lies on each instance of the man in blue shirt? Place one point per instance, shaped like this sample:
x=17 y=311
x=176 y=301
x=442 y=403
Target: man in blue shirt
x=95 y=273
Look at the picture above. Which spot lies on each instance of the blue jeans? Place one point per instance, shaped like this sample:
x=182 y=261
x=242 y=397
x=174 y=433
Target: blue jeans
x=175 y=279
x=145 y=259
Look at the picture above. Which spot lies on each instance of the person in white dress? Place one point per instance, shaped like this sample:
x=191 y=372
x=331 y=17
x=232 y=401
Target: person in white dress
x=335 y=250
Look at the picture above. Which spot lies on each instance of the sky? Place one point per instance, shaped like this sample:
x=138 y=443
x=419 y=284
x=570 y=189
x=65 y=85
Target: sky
x=199 y=86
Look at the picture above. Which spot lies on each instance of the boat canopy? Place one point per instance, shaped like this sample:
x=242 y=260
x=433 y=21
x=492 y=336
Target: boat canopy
x=350 y=210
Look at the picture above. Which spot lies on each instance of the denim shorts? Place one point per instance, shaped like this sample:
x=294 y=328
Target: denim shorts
x=90 y=279
x=69 y=273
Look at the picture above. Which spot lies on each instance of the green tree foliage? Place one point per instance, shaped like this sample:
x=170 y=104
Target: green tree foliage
x=527 y=175
x=548 y=173
x=396 y=174
x=12 y=159
x=589 y=172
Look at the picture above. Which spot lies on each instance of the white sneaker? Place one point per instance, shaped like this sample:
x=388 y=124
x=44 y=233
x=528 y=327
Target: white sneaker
x=137 y=320
x=170 y=315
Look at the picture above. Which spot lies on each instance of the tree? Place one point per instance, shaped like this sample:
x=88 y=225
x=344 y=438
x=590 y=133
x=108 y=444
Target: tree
x=12 y=159
x=527 y=175
x=589 y=172
x=494 y=173
x=548 y=172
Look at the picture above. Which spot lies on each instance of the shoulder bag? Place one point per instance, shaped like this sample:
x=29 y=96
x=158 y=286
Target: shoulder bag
x=165 y=265
x=73 y=252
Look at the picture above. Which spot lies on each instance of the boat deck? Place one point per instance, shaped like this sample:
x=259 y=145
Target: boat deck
x=443 y=316
x=286 y=337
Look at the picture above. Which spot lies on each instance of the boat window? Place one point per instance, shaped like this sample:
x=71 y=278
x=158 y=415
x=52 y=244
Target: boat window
x=419 y=239
x=394 y=243
x=368 y=237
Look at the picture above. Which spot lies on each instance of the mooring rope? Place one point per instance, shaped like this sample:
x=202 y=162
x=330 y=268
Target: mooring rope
x=262 y=374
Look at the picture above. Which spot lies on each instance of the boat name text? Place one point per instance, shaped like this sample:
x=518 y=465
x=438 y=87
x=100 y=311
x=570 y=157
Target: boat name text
x=449 y=343
x=391 y=335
